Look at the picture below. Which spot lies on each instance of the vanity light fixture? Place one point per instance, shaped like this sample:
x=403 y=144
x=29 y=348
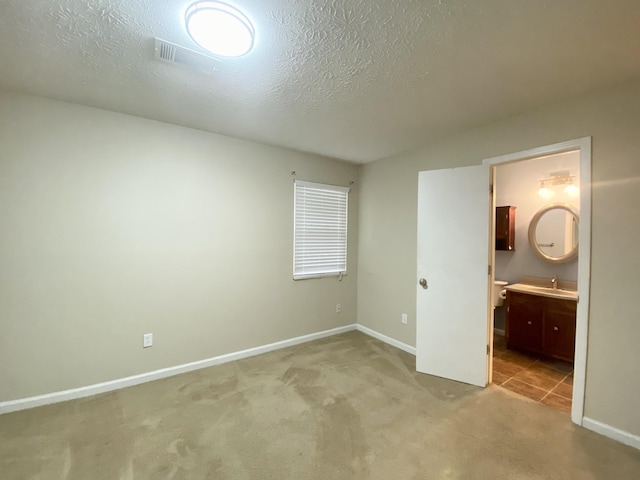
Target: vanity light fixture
x=220 y=28
x=558 y=179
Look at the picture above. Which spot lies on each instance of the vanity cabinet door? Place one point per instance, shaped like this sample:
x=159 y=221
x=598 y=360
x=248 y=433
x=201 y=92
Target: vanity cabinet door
x=524 y=322
x=559 y=328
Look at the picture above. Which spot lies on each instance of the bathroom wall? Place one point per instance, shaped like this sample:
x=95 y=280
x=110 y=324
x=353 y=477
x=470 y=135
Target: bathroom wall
x=517 y=184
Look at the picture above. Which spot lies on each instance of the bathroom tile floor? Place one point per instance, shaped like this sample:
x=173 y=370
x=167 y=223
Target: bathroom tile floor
x=546 y=381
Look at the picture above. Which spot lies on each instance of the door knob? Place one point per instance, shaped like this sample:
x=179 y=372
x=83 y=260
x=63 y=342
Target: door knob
x=423 y=283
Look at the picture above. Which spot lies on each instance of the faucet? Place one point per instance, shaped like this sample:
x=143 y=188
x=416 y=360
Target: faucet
x=554 y=282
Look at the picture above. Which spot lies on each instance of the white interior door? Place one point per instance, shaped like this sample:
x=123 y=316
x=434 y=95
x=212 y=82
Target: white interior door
x=454 y=214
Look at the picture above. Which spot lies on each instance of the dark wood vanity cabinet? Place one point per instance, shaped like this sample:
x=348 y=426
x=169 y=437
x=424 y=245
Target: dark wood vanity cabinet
x=541 y=325
x=506 y=228
x=559 y=328
x=523 y=322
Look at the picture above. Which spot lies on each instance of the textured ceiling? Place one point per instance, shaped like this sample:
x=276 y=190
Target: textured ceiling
x=353 y=79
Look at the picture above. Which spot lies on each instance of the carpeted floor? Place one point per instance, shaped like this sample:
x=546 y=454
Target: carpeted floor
x=346 y=407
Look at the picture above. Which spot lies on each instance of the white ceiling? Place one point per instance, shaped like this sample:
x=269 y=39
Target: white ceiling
x=353 y=79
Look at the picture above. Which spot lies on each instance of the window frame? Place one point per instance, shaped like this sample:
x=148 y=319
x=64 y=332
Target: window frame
x=336 y=221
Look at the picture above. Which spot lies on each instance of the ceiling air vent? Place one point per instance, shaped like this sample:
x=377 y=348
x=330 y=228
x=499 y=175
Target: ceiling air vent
x=172 y=53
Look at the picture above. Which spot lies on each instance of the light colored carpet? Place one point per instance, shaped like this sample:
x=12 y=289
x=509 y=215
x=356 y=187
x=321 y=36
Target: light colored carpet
x=346 y=407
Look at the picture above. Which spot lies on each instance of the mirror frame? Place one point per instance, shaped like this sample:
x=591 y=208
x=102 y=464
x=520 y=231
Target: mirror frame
x=533 y=224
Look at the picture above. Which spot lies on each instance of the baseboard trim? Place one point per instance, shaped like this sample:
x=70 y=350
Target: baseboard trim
x=388 y=340
x=499 y=331
x=612 y=432
x=63 y=396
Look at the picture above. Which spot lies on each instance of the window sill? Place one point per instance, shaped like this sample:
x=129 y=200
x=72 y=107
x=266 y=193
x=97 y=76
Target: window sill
x=319 y=275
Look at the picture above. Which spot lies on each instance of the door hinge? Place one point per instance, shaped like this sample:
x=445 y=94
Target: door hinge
x=489 y=269
x=488 y=349
x=491 y=188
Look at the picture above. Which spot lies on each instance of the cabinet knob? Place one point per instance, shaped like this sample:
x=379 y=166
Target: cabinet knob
x=555 y=329
x=529 y=322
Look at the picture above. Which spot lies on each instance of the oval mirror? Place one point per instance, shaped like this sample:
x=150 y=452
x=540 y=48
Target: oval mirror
x=553 y=233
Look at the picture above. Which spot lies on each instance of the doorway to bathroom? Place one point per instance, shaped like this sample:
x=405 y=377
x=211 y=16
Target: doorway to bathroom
x=456 y=269
x=537 y=182
x=538 y=196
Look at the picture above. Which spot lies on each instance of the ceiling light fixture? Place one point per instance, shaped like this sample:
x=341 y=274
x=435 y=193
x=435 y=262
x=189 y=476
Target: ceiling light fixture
x=220 y=28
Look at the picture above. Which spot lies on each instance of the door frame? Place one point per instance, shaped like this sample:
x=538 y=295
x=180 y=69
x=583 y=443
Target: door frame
x=583 y=145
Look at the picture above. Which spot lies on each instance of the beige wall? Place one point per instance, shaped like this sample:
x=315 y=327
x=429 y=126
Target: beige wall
x=387 y=248
x=114 y=226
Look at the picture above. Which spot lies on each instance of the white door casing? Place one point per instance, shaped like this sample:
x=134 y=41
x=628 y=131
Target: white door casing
x=584 y=257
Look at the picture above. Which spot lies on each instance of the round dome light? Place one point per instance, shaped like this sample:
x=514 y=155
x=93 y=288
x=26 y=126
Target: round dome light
x=219 y=28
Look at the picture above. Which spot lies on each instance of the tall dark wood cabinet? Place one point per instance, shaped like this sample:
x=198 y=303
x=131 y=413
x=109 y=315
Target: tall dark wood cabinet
x=506 y=228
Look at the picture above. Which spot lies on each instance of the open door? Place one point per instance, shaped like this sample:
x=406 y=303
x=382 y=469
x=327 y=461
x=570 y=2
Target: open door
x=454 y=214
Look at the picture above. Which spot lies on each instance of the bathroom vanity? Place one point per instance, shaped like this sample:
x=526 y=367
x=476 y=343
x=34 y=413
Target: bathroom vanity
x=541 y=312
x=541 y=320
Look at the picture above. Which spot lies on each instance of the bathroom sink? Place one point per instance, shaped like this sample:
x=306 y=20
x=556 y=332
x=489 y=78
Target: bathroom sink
x=543 y=291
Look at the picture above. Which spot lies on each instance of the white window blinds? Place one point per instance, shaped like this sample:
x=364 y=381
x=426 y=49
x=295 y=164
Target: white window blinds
x=320 y=230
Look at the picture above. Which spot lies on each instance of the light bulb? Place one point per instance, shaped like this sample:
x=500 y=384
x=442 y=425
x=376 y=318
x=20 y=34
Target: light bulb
x=571 y=189
x=544 y=192
x=219 y=28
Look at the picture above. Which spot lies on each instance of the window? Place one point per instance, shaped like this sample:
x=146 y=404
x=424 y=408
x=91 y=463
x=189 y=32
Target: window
x=320 y=230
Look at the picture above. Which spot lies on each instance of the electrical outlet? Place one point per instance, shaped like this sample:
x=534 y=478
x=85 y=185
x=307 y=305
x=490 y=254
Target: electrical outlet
x=338 y=308
x=404 y=318
x=147 y=340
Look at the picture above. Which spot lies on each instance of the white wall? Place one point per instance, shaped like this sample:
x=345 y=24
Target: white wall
x=114 y=226
x=387 y=248
x=517 y=185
